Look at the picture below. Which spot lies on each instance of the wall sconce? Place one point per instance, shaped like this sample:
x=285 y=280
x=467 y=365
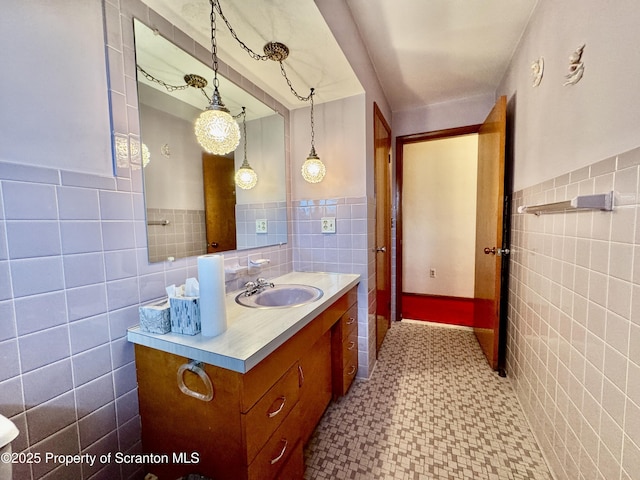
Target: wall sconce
x=216 y=130
x=146 y=155
x=246 y=177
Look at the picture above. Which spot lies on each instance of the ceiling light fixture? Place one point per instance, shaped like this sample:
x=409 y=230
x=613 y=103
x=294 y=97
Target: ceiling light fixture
x=191 y=79
x=313 y=170
x=246 y=178
x=216 y=130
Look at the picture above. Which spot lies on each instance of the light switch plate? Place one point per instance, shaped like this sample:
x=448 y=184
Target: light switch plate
x=261 y=225
x=328 y=224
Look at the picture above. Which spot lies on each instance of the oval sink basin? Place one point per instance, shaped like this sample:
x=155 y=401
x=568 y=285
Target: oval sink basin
x=280 y=296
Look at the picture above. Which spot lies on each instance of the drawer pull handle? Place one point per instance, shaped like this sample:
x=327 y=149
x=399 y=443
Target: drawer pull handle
x=352 y=370
x=351 y=320
x=195 y=367
x=284 y=449
x=283 y=400
x=300 y=376
x=351 y=345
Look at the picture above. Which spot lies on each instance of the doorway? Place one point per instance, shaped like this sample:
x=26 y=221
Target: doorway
x=219 y=202
x=492 y=220
x=439 y=217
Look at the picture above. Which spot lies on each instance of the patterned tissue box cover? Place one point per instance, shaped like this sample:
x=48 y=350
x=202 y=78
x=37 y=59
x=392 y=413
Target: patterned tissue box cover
x=185 y=315
x=155 y=318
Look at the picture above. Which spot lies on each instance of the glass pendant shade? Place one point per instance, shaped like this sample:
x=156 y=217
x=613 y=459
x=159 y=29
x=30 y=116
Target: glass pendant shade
x=246 y=178
x=217 y=132
x=313 y=170
x=146 y=155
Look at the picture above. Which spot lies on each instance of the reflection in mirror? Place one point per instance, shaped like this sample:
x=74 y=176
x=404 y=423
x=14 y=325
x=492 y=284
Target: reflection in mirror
x=192 y=203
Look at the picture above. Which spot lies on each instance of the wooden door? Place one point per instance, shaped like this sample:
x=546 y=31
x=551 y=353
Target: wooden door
x=219 y=202
x=489 y=231
x=382 y=154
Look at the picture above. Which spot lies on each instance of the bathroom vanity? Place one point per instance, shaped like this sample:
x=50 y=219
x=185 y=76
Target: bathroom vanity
x=243 y=404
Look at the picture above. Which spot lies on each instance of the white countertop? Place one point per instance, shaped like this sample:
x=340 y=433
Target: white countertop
x=252 y=333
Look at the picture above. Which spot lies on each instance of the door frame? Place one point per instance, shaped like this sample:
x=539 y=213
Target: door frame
x=400 y=143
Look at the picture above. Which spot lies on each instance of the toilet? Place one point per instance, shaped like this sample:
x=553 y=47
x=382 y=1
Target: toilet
x=8 y=432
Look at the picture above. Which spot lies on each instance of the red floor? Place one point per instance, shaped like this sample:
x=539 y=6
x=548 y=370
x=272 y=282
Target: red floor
x=449 y=310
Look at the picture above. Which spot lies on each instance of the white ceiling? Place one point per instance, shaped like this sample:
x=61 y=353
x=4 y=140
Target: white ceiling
x=423 y=51
x=433 y=51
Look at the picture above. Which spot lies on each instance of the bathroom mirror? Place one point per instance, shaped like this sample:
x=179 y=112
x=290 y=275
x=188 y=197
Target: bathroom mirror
x=192 y=203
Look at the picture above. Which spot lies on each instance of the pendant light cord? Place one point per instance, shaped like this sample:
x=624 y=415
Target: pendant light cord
x=298 y=96
x=245 y=163
x=173 y=88
x=254 y=55
x=310 y=97
x=214 y=46
x=167 y=86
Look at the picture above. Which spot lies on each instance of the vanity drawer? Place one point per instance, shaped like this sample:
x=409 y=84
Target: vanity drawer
x=349 y=321
x=275 y=454
x=294 y=468
x=269 y=412
x=344 y=346
x=350 y=364
x=350 y=350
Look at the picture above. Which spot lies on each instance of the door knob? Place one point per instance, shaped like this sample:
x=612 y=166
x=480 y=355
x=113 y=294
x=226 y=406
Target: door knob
x=496 y=251
x=213 y=245
x=381 y=249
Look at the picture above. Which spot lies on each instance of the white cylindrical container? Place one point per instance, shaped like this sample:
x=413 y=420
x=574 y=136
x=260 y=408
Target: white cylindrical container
x=213 y=310
x=8 y=432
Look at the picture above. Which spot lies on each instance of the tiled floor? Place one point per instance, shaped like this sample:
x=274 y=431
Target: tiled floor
x=432 y=409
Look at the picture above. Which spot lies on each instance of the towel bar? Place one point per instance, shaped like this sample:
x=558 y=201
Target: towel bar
x=600 y=201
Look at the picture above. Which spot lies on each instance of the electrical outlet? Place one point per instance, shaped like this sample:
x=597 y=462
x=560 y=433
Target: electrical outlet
x=261 y=225
x=328 y=224
x=432 y=272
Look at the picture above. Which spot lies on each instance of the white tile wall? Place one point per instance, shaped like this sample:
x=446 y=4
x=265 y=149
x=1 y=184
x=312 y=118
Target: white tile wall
x=574 y=322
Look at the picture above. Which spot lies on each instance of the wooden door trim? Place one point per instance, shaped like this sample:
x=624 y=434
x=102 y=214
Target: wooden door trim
x=401 y=141
x=377 y=113
x=383 y=139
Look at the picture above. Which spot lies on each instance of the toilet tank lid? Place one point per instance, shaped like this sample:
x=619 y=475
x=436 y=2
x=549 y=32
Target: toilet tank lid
x=8 y=431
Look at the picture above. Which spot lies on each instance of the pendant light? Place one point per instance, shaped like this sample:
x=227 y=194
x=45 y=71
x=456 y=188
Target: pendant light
x=313 y=170
x=246 y=178
x=216 y=130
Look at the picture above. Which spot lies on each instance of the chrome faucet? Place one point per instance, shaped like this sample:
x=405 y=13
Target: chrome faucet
x=251 y=288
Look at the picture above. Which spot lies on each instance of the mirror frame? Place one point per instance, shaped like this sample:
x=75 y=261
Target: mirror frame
x=123 y=91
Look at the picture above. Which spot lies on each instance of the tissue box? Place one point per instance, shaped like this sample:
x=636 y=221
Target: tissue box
x=154 y=318
x=185 y=315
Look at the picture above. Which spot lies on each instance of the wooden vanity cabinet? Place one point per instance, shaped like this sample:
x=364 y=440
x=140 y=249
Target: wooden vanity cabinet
x=315 y=384
x=257 y=423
